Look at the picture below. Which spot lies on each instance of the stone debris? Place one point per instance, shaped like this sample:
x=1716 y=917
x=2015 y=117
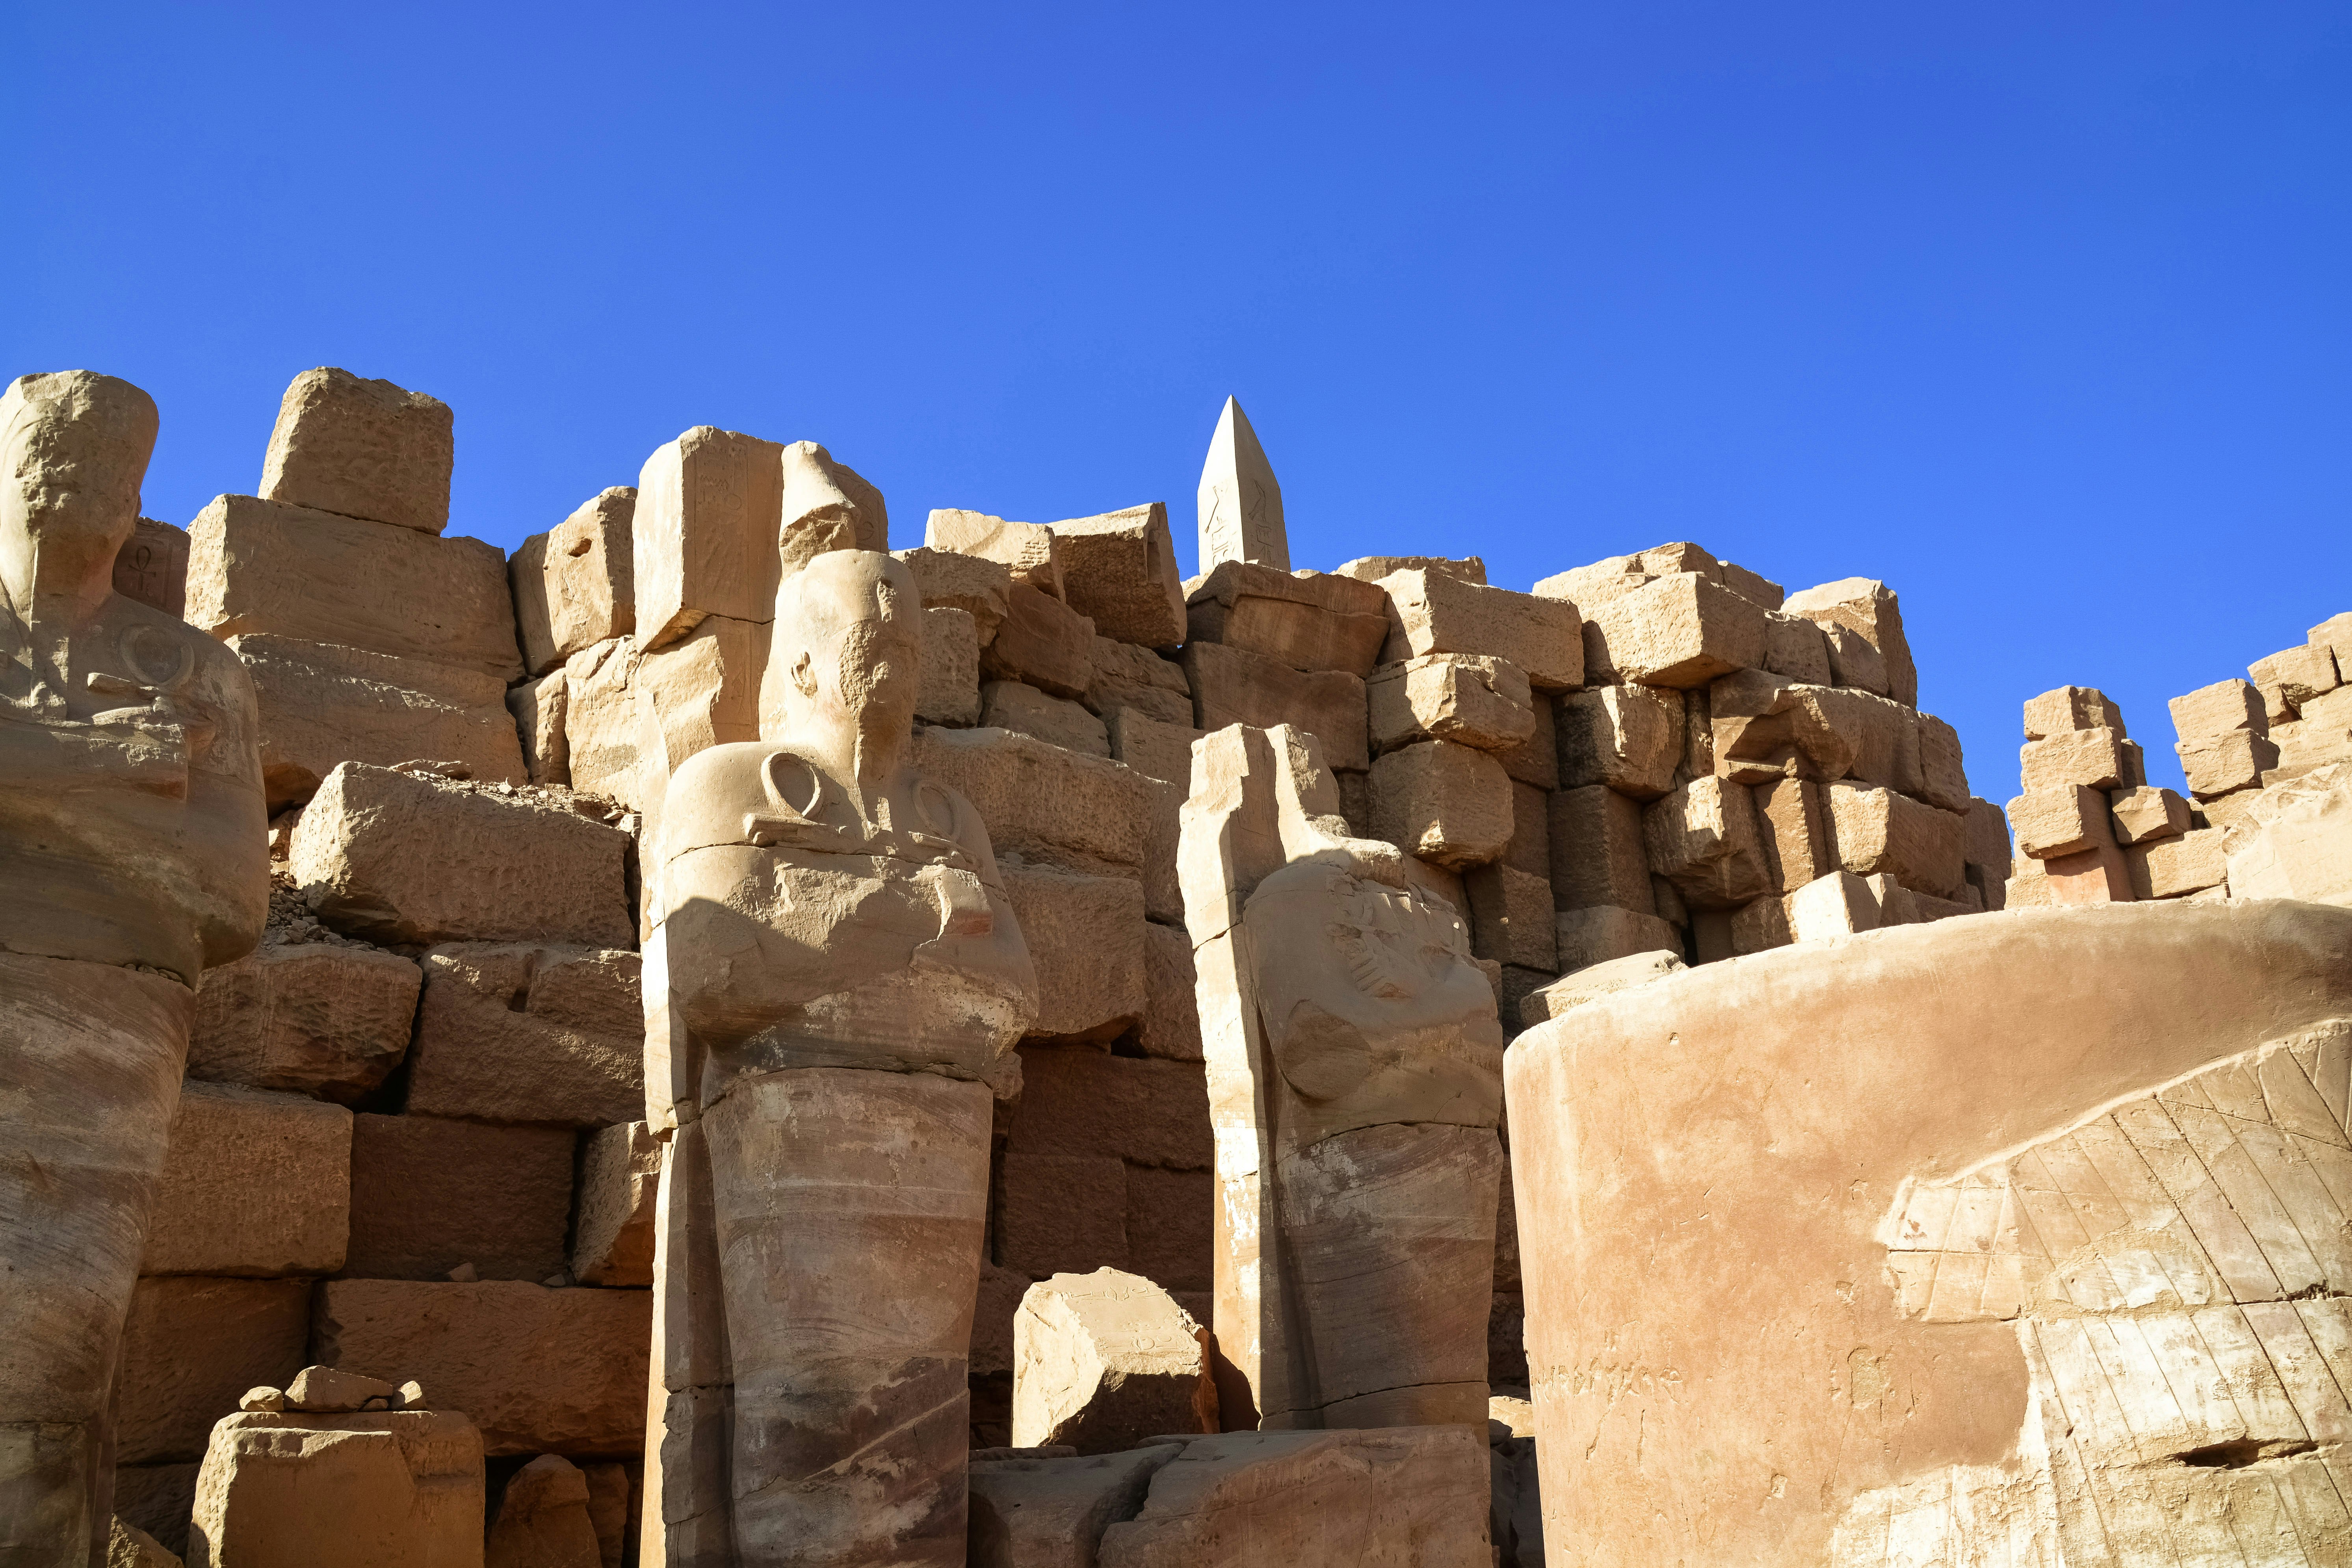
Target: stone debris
x=1103 y=1360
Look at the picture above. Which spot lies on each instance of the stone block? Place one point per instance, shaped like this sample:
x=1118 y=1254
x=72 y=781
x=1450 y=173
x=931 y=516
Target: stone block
x=2070 y=708
x=2294 y=841
x=191 y=1347
x=1630 y=737
x=152 y=567
x=2225 y=708
x=429 y=1196
x=537 y=708
x=1943 y=781
x=1059 y=1213
x=1598 y=857
x=710 y=510
x=1155 y=748
x=1119 y=571
x=603 y=733
x=950 y=689
x=1049 y=1509
x=948 y=579
x=1703 y=837
x=543 y=1519
x=322 y=704
x=612 y=1227
x=1529 y=848
x=1536 y=761
x=1596 y=583
x=260 y=567
x=1310 y=621
x=1085 y=1103
x=1435 y=612
x=2323 y=735
x=1395 y=1497
x=520 y=1032
x=402 y=1489
x=2093 y=758
x=1750 y=584
x=699 y=690
x=1041 y=641
x=1854 y=660
x=1086 y=937
x=1791 y=834
x=2230 y=760
x=1103 y=1360
x=1871 y=608
x=1439 y=883
x=1171 y=1019
x=2175 y=867
x=256 y=1184
x=1604 y=933
x=1048 y=806
x=1835 y=904
x=362 y=448
x=1447 y=804
x=1355 y=800
x=128 y=1546
x=2058 y=821
x=1029 y=551
x=1470 y=700
x=329 y=1020
x=2335 y=633
x=540 y=1371
x=410 y=858
x=2143 y=815
x=574 y=585
x=1163 y=888
x=1373 y=568
x=1795 y=649
x=1127 y=676
x=1511 y=993
x=1232 y=686
x=1761 y=925
x=1877 y=830
x=1057 y=721
x=1681 y=631
x=1987 y=835
x=1511 y=917
x=2099 y=875
x=2297 y=673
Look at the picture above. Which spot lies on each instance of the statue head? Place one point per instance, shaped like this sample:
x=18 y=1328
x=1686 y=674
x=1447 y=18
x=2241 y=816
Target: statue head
x=846 y=647
x=73 y=449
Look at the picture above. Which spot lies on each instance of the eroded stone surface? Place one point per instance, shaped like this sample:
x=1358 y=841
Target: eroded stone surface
x=394 y=1490
x=1103 y=1360
x=363 y=448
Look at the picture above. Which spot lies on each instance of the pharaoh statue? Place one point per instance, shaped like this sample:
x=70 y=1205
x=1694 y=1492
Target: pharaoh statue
x=133 y=854
x=833 y=979
x=1354 y=1072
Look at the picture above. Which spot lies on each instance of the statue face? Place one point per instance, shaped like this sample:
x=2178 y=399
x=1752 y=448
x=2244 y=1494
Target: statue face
x=855 y=613
x=71 y=459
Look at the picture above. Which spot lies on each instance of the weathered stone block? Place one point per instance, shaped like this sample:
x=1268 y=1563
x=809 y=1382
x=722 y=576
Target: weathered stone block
x=1511 y=917
x=1795 y=649
x=1792 y=836
x=1529 y=848
x=1086 y=937
x=255 y=1183
x=537 y=707
x=1877 y=830
x=1059 y=1214
x=1041 y=641
x=2224 y=708
x=1597 y=854
x=948 y=579
x=950 y=691
x=1318 y=621
x=2297 y=673
x=1157 y=750
x=1232 y=686
x=574 y=585
x=1119 y=571
x=1048 y=805
x=613 y=1230
x=1049 y=1510
x=1943 y=781
x=260 y=567
x=403 y=1489
x=318 y=1018
x=703 y=536
x=2175 y=867
x=1870 y=608
x=1435 y=612
x=1704 y=840
x=1137 y=678
x=362 y=448
x=1536 y=761
x=191 y=1348
x=407 y=857
x=603 y=734
x=152 y=567
x=543 y=1519
x=1681 y=631
x=1445 y=803
x=2225 y=762
x=157 y=1499
x=1470 y=700
x=429 y=1196
x=1603 y=932
x=2059 y=820
x=1103 y=1360
x=1171 y=1019
x=1057 y=721
x=1076 y=1103
x=1029 y=551
x=539 y=1370
x=1373 y=568
x=2068 y=707
x=1628 y=737
x=2093 y=758
x=700 y=691
x=2295 y=841
x=522 y=1032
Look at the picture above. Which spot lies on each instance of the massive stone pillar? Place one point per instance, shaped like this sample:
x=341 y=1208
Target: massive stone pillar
x=1354 y=1067
x=133 y=853
x=2019 y=1241
x=833 y=979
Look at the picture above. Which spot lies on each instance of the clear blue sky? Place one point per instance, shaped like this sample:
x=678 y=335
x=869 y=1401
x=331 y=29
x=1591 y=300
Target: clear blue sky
x=2042 y=314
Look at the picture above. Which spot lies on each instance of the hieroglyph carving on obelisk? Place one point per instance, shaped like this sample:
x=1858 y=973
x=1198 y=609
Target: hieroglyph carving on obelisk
x=1241 y=500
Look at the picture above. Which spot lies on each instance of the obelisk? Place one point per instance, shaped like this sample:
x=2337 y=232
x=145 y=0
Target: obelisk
x=1241 y=500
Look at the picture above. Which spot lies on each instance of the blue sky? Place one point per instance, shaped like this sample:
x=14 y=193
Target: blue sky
x=2042 y=314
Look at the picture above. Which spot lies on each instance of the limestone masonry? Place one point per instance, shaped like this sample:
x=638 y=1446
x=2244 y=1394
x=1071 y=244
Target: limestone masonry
x=709 y=1042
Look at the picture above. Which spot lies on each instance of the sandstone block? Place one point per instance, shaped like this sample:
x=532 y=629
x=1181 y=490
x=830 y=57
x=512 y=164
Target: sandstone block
x=520 y=1032
x=2173 y=867
x=1877 y=830
x=2099 y=875
x=1835 y=904
x=1470 y=700
x=152 y=567
x=407 y=857
x=1591 y=981
x=1103 y=1360
x=1086 y=1104
x=256 y=1184
x=1163 y=888
x=1041 y=641
x=2221 y=763
x=1791 y=834
x=1943 y=781
x=1681 y=631
x=574 y=585
x=1987 y=835
x=2335 y=633
x=258 y=567
x=1171 y=1019
x=2297 y=673
x=1059 y=1213
x=1445 y=803
x=612 y=1233
x=1628 y=737
x=2225 y=708
x=2067 y=708
x=1511 y=918
x=1057 y=721
x=1119 y=571
x=2323 y=735
x=1130 y=677
x=1529 y=848
x=1029 y=551
x=1310 y=621
x=1373 y=568
x=1604 y=931
x=1157 y=750
x=1794 y=649
x=540 y=1371
x=1598 y=857
x=2093 y=758
x=1704 y=840
x=402 y=1489
x=2143 y=815
x=1396 y=1497
x=1870 y=608
x=1536 y=761
x=699 y=690
x=2058 y=821
x=1597 y=584
x=950 y=693
x=1355 y=800
x=538 y=707
x=362 y=448
x=1759 y=925
x=1048 y=806
x=318 y=1018
x=1086 y=937
x=1752 y=585
x=1170 y=1222
x=543 y=1520
x=1048 y=1509
x=1854 y=661
x=1435 y=612
x=1232 y=686
x=603 y=735
x=948 y=579
x=429 y=1196
x=191 y=1347
x=2295 y=841
x=710 y=510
